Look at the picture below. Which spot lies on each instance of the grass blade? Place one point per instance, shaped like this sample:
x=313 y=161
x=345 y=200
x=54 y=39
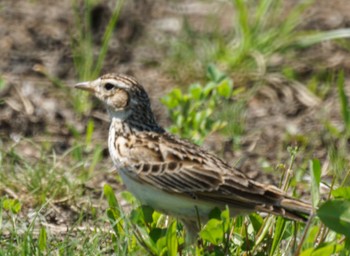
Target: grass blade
x=171 y=239
x=278 y=234
x=107 y=36
x=315 y=168
x=318 y=37
x=42 y=239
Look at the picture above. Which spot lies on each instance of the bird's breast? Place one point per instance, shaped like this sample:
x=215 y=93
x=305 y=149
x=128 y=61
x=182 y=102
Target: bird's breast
x=117 y=147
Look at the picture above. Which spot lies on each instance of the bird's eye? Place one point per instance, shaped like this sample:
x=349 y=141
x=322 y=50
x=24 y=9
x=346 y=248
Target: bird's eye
x=109 y=86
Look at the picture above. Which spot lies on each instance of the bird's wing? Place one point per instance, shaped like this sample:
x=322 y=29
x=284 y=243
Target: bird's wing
x=178 y=166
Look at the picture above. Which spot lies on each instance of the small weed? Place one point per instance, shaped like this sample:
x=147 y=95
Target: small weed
x=192 y=113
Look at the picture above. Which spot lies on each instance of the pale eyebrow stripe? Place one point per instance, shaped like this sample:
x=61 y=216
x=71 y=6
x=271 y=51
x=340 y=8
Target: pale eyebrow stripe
x=120 y=84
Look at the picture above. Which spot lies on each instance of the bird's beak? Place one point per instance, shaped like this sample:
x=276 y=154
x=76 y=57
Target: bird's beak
x=86 y=86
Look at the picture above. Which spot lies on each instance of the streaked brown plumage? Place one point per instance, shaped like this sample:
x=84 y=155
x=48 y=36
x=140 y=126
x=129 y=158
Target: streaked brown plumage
x=173 y=175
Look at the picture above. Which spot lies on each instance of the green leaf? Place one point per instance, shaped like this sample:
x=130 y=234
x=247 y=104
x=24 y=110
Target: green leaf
x=161 y=245
x=6 y=204
x=225 y=88
x=335 y=214
x=12 y=205
x=196 y=91
x=89 y=131
x=342 y=192
x=215 y=214
x=136 y=217
x=147 y=213
x=142 y=216
x=239 y=220
x=213 y=232
x=171 y=239
x=347 y=246
x=324 y=249
x=310 y=239
x=225 y=217
x=113 y=217
x=278 y=234
x=171 y=100
x=110 y=196
x=16 y=208
x=176 y=94
x=209 y=87
x=315 y=169
x=42 y=239
x=156 y=233
x=113 y=213
x=256 y=221
x=214 y=74
x=127 y=196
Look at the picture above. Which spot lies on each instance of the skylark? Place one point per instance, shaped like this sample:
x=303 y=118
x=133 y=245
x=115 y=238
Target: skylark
x=172 y=175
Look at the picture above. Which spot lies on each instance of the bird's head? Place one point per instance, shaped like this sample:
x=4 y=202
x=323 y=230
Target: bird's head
x=124 y=97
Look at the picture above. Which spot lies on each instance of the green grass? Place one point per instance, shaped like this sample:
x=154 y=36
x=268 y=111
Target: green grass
x=261 y=32
x=87 y=64
x=47 y=206
x=88 y=56
x=144 y=230
x=47 y=184
x=35 y=187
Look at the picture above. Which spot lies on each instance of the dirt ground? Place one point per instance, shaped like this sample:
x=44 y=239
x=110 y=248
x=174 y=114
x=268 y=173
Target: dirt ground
x=38 y=34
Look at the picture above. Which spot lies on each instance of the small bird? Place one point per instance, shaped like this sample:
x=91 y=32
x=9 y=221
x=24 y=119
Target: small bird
x=173 y=175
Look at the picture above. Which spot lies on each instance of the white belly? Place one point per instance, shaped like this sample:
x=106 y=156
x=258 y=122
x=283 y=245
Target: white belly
x=178 y=206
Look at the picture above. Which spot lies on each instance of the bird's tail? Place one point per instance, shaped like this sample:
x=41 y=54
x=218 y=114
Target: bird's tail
x=287 y=206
